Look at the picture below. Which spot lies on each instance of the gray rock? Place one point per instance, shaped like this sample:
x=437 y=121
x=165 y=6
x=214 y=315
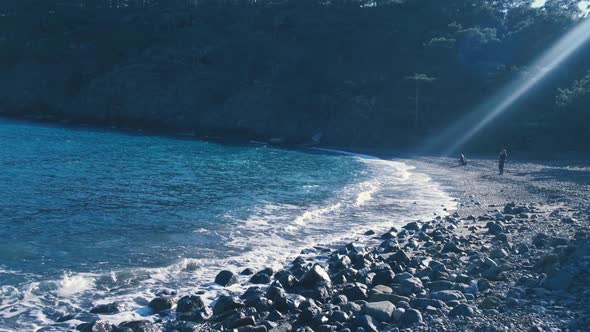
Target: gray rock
x=448 y=295
x=560 y=280
x=495 y=228
x=412 y=226
x=381 y=311
x=437 y=266
x=498 y=253
x=402 y=276
x=351 y=307
x=540 y=240
x=384 y=276
x=382 y=289
x=225 y=303
x=189 y=303
x=462 y=310
x=247 y=272
x=97 y=326
x=411 y=317
x=439 y=285
x=492 y=273
x=483 y=284
x=284 y=327
x=398 y=313
x=314 y=277
x=339 y=300
x=451 y=247
x=107 y=309
x=243 y=322
x=423 y=303
x=226 y=278
x=367 y=323
x=399 y=257
x=138 y=326
x=160 y=304
x=339 y=316
x=260 y=278
x=490 y=302
x=393 y=298
x=410 y=286
x=355 y=291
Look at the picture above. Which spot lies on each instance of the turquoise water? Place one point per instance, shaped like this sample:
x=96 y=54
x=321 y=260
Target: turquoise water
x=89 y=217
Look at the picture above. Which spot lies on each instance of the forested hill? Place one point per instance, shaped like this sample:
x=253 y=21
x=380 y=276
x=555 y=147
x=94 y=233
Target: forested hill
x=347 y=72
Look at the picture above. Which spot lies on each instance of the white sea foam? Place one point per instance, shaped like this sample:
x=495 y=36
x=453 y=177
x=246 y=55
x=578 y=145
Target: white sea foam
x=74 y=284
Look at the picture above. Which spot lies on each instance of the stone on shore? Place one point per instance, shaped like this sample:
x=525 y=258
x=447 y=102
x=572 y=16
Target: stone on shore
x=138 y=326
x=367 y=323
x=260 y=278
x=462 y=310
x=247 y=272
x=160 y=304
x=381 y=311
x=243 y=322
x=355 y=291
x=226 y=278
x=393 y=298
x=189 y=303
x=411 y=317
x=448 y=295
x=410 y=286
x=314 y=277
x=225 y=303
x=97 y=326
x=107 y=309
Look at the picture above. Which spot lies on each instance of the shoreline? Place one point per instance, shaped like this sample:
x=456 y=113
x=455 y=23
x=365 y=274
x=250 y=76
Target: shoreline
x=531 y=257
x=491 y=265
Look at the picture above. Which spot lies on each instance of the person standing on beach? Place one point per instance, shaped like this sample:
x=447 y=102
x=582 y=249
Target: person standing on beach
x=462 y=160
x=502 y=160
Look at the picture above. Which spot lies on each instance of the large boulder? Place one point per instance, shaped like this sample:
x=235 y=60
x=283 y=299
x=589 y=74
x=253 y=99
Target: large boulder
x=381 y=311
x=226 y=278
x=246 y=321
x=189 y=303
x=314 y=277
x=410 y=317
x=138 y=326
x=96 y=326
x=561 y=279
x=462 y=310
x=448 y=295
x=160 y=304
x=260 y=278
x=410 y=286
x=225 y=303
x=367 y=323
x=354 y=291
x=106 y=309
x=393 y=298
x=383 y=277
x=440 y=285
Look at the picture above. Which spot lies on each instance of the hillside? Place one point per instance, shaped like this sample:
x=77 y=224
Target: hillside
x=355 y=73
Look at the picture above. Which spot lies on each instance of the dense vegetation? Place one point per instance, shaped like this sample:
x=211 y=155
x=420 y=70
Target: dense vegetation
x=382 y=73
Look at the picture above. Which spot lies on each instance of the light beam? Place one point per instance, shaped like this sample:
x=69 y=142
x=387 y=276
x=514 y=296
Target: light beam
x=477 y=120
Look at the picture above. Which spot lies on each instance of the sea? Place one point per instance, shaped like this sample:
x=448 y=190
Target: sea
x=91 y=216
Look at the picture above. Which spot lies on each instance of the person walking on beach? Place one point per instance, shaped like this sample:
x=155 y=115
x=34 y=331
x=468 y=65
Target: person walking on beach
x=502 y=160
